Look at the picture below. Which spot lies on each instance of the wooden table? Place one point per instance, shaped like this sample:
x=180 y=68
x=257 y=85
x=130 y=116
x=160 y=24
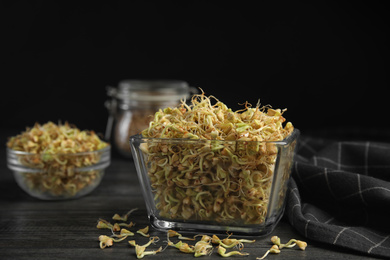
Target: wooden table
x=35 y=229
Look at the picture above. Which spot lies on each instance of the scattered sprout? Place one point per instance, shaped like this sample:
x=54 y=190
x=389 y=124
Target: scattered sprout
x=140 y=251
x=274 y=250
x=205 y=238
x=131 y=224
x=301 y=244
x=106 y=241
x=172 y=233
x=151 y=240
x=144 y=231
x=116 y=228
x=183 y=247
x=222 y=252
x=275 y=240
x=104 y=224
x=124 y=217
x=230 y=242
x=124 y=233
x=202 y=248
x=233 y=242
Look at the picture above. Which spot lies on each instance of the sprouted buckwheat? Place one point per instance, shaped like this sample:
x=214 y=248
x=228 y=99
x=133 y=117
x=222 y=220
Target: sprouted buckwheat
x=227 y=182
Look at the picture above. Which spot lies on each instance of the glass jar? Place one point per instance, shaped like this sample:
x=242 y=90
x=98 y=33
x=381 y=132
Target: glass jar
x=133 y=104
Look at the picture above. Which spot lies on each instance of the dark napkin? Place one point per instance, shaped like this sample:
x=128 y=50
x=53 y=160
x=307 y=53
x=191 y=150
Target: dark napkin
x=340 y=194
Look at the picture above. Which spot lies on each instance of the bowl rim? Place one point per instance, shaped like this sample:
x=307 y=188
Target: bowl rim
x=16 y=152
x=138 y=137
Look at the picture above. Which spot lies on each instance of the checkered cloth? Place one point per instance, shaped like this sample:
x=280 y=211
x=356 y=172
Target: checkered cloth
x=340 y=194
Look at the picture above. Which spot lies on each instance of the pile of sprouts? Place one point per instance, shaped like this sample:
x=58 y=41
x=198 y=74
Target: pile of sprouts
x=50 y=150
x=206 y=162
x=204 y=246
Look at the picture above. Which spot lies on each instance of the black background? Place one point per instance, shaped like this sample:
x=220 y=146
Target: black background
x=327 y=62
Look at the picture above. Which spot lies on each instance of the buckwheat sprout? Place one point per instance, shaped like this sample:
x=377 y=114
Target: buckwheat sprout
x=144 y=231
x=235 y=159
x=104 y=224
x=123 y=233
x=216 y=240
x=274 y=250
x=172 y=233
x=230 y=242
x=239 y=242
x=106 y=241
x=202 y=248
x=131 y=224
x=151 y=240
x=125 y=216
x=222 y=252
x=204 y=238
x=291 y=243
x=183 y=247
x=275 y=240
x=115 y=227
x=301 y=244
x=140 y=251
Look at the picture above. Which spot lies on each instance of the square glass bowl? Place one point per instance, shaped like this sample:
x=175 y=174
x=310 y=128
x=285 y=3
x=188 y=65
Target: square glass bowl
x=58 y=176
x=213 y=185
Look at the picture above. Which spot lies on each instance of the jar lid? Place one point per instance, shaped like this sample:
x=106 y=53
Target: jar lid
x=151 y=90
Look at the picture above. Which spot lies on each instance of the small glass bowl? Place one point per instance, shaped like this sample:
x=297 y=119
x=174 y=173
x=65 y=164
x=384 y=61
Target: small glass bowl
x=58 y=176
x=213 y=185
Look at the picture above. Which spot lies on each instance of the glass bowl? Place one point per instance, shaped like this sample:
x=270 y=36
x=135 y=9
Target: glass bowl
x=58 y=176
x=213 y=185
